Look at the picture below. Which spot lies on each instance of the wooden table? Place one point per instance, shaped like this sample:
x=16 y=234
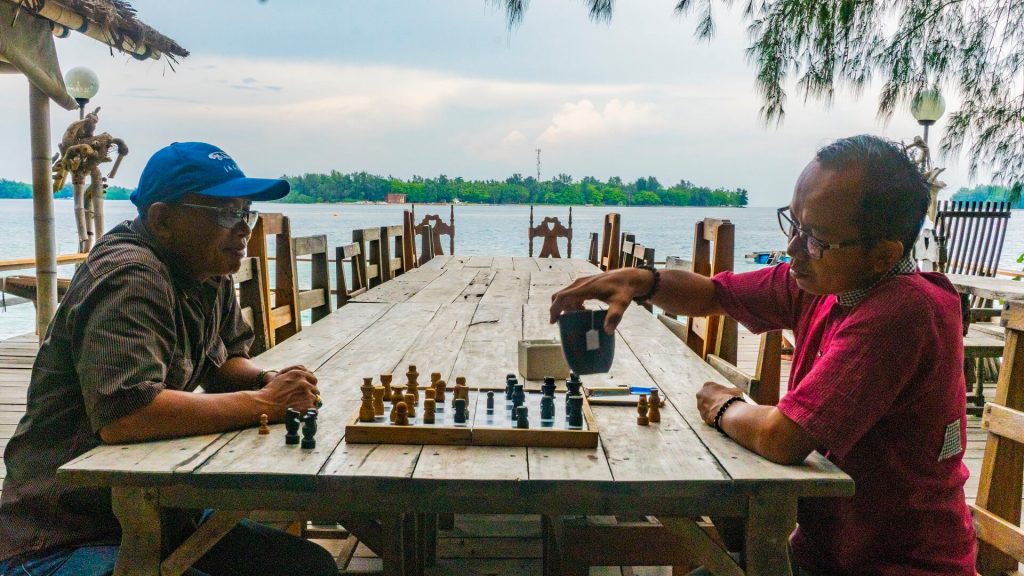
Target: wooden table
x=462 y=316
x=988 y=288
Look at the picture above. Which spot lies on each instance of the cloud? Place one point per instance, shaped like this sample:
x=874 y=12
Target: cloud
x=582 y=120
x=513 y=138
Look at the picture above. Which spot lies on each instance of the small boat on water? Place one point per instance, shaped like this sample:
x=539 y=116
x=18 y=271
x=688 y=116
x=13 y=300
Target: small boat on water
x=769 y=257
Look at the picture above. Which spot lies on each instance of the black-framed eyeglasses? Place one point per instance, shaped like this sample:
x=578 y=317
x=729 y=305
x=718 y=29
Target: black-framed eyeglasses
x=229 y=217
x=816 y=247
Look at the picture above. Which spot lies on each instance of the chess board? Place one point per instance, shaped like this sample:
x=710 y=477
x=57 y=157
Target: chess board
x=482 y=427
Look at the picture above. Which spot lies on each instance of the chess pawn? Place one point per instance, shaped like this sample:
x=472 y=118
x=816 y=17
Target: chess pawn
x=434 y=377
x=429 y=407
x=641 y=411
x=401 y=414
x=547 y=408
x=396 y=398
x=439 y=389
x=430 y=393
x=385 y=380
x=264 y=428
x=654 y=407
x=413 y=386
x=460 y=411
x=292 y=421
x=378 y=401
x=366 y=411
x=490 y=402
x=410 y=401
x=522 y=417
x=461 y=390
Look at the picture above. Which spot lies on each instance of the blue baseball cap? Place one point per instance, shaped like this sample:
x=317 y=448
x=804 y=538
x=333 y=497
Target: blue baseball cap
x=199 y=168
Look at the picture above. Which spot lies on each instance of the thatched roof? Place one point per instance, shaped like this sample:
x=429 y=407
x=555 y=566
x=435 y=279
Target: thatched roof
x=112 y=22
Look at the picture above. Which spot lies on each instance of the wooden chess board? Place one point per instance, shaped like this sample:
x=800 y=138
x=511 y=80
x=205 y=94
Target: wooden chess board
x=482 y=427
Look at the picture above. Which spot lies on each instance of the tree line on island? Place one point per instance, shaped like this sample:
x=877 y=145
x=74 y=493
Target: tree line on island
x=10 y=189
x=516 y=189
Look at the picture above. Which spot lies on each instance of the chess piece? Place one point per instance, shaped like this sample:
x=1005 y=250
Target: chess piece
x=385 y=380
x=460 y=411
x=366 y=411
x=641 y=411
x=410 y=401
x=413 y=386
x=292 y=421
x=309 y=430
x=439 y=388
x=430 y=393
x=378 y=401
x=434 y=377
x=510 y=382
x=264 y=428
x=396 y=398
x=518 y=397
x=654 y=407
x=573 y=384
x=575 y=416
x=490 y=402
x=429 y=407
x=548 y=388
x=401 y=414
x=461 y=390
x=547 y=408
x=522 y=417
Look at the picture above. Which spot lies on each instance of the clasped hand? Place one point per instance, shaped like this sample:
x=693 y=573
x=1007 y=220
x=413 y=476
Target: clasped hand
x=292 y=387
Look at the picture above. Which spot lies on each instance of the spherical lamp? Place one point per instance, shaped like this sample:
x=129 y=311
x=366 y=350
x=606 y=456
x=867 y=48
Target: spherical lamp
x=82 y=84
x=927 y=107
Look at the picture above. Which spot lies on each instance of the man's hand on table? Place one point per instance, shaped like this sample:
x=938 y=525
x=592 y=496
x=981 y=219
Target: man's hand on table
x=711 y=397
x=291 y=387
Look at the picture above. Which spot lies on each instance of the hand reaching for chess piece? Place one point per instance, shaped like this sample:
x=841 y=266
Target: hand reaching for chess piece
x=293 y=387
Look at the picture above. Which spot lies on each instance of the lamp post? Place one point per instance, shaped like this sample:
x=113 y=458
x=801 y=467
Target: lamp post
x=927 y=107
x=82 y=84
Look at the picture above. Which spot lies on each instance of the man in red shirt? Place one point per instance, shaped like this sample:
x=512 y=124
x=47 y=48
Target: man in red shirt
x=877 y=382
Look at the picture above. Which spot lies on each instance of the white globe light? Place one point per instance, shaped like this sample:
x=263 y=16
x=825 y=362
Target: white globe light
x=928 y=106
x=82 y=84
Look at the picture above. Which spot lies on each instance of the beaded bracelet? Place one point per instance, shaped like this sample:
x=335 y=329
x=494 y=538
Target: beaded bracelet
x=721 y=412
x=263 y=377
x=641 y=300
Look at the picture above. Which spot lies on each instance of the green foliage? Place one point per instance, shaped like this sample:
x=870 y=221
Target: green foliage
x=360 y=186
x=989 y=193
x=972 y=47
x=20 y=190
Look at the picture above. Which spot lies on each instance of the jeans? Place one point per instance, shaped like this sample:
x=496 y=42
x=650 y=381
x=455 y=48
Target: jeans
x=249 y=548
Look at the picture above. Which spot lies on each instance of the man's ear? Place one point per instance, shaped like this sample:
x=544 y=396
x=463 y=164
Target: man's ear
x=885 y=255
x=158 y=219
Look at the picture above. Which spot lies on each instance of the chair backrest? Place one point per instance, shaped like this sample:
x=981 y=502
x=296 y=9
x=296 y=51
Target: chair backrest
x=431 y=228
x=551 y=229
x=593 y=251
x=283 y=319
x=409 y=239
x=626 y=242
x=392 y=243
x=356 y=283
x=318 y=297
x=372 y=249
x=253 y=303
x=997 y=509
x=972 y=235
x=713 y=246
x=610 y=239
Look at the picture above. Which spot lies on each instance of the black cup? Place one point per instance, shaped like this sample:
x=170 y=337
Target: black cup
x=573 y=327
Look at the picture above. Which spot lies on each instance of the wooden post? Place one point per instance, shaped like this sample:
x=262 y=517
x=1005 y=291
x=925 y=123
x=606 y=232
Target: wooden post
x=42 y=207
x=451 y=237
x=530 y=231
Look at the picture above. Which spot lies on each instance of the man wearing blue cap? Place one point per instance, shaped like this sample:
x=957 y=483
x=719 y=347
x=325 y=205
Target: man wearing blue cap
x=150 y=316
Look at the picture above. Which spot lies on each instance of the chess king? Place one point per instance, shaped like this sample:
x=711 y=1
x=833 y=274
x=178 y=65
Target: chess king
x=150 y=316
x=877 y=382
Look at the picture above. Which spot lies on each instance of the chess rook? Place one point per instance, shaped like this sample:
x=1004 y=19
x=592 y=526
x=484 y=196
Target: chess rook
x=385 y=381
x=547 y=408
x=460 y=411
x=309 y=430
x=522 y=417
x=292 y=421
x=429 y=408
x=378 y=401
x=410 y=401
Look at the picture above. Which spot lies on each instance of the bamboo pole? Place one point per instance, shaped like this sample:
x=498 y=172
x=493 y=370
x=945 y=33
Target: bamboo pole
x=42 y=206
x=78 y=186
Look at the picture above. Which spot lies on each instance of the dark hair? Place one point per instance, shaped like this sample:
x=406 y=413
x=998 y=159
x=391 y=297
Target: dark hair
x=896 y=194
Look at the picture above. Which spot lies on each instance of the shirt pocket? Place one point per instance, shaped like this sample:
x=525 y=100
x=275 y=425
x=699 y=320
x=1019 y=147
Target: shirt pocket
x=179 y=372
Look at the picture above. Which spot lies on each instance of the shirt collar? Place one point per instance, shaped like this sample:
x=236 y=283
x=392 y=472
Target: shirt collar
x=851 y=298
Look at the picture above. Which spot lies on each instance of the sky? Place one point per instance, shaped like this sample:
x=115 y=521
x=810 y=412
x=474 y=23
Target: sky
x=429 y=87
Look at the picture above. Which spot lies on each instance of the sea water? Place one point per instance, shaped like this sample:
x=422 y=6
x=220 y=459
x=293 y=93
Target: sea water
x=489 y=230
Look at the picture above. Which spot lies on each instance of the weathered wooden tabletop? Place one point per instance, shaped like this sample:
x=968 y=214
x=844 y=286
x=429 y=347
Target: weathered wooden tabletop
x=989 y=288
x=464 y=315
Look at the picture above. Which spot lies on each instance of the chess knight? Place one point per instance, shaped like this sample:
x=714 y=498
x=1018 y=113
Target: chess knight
x=81 y=153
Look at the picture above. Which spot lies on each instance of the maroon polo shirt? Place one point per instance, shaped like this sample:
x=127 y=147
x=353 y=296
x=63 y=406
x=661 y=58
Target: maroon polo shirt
x=880 y=386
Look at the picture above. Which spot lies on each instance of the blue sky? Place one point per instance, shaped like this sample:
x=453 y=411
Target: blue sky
x=419 y=87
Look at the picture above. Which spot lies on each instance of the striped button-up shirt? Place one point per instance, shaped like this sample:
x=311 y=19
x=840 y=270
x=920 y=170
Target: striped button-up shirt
x=129 y=326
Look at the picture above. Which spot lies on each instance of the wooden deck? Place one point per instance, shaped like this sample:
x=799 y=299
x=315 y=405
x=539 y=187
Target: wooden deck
x=478 y=545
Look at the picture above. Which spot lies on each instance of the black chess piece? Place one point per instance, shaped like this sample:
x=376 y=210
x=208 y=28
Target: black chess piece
x=510 y=382
x=460 y=410
x=291 y=426
x=548 y=388
x=522 y=417
x=547 y=408
x=575 y=417
x=518 y=397
x=309 y=430
x=573 y=384
x=490 y=402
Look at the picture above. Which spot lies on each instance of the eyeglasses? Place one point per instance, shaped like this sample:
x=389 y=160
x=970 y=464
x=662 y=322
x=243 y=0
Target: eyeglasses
x=229 y=217
x=815 y=247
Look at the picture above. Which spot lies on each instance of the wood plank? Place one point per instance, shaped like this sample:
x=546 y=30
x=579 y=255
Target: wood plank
x=435 y=263
x=472 y=463
x=456 y=262
x=402 y=288
x=999 y=420
x=446 y=288
x=372 y=460
x=479 y=262
x=439 y=343
x=508 y=288
x=524 y=264
x=502 y=263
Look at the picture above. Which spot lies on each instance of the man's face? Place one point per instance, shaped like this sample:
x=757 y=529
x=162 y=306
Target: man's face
x=202 y=246
x=826 y=204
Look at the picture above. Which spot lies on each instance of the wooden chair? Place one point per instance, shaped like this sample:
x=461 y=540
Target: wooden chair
x=318 y=297
x=713 y=246
x=252 y=301
x=431 y=228
x=352 y=284
x=283 y=319
x=372 y=249
x=551 y=229
x=997 y=509
x=393 y=251
x=592 y=252
x=970 y=238
x=409 y=239
x=610 y=238
x=626 y=242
